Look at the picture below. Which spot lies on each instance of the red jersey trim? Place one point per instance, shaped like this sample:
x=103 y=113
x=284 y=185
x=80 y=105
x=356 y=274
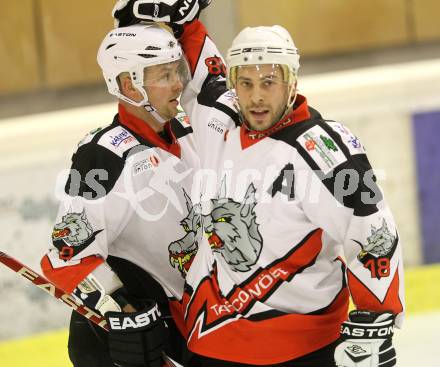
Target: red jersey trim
x=68 y=277
x=275 y=340
x=219 y=331
x=301 y=112
x=176 y=310
x=192 y=40
x=141 y=128
x=364 y=299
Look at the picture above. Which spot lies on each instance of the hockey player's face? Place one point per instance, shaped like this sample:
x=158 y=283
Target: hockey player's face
x=164 y=84
x=262 y=94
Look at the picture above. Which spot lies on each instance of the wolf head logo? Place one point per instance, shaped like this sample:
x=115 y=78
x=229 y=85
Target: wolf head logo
x=381 y=241
x=74 y=229
x=183 y=250
x=379 y=249
x=232 y=229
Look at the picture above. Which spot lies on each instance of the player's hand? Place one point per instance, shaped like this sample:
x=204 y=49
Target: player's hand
x=122 y=13
x=366 y=340
x=137 y=338
x=128 y=12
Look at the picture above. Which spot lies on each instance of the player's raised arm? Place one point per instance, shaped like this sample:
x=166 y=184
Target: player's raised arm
x=206 y=92
x=204 y=58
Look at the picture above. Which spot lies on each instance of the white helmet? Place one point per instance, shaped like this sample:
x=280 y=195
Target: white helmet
x=132 y=49
x=262 y=45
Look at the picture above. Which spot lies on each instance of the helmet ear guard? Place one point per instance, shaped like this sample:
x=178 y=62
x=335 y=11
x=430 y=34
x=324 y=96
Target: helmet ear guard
x=114 y=87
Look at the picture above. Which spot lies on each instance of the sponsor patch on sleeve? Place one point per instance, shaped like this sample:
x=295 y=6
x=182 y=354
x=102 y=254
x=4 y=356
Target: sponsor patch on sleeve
x=322 y=149
x=350 y=140
x=183 y=118
x=118 y=140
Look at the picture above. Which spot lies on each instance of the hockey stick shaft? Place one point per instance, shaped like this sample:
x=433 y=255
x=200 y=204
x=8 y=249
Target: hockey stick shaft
x=52 y=289
x=59 y=294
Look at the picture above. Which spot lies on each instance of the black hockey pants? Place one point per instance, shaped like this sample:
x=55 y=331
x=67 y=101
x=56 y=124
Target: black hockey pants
x=88 y=343
x=321 y=358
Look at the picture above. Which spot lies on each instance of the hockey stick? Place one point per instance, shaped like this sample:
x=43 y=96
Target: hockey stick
x=53 y=290
x=59 y=294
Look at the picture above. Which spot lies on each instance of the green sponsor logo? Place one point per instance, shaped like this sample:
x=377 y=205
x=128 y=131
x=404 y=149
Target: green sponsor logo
x=329 y=143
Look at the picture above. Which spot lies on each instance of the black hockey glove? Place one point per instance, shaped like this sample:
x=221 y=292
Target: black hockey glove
x=122 y=13
x=173 y=12
x=137 y=339
x=366 y=340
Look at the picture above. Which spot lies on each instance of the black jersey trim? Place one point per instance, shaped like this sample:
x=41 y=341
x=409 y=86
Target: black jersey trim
x=94 y=172
x=291 y=133
x=296 y=247
x=95 y=169
x=363 y=168
x=213 y=275
x=367 y=194
x=228 y=111
x=213 y=87
x=266 y=315
x=179 y=130
x=92 y=160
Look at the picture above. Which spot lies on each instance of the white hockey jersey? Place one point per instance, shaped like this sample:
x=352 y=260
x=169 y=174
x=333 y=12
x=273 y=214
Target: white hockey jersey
x=294 y=222
x=127 y=195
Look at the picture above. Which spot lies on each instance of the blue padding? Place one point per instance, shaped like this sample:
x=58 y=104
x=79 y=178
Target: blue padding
x=427 y=146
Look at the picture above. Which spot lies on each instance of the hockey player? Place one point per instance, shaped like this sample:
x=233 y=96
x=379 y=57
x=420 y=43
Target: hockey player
x=294 y=217
x=118 y=233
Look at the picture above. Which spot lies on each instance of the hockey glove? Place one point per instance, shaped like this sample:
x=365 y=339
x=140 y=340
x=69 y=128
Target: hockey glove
x=122 y=14
x=173 y=12
x=366 y=340
x=138 y=338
